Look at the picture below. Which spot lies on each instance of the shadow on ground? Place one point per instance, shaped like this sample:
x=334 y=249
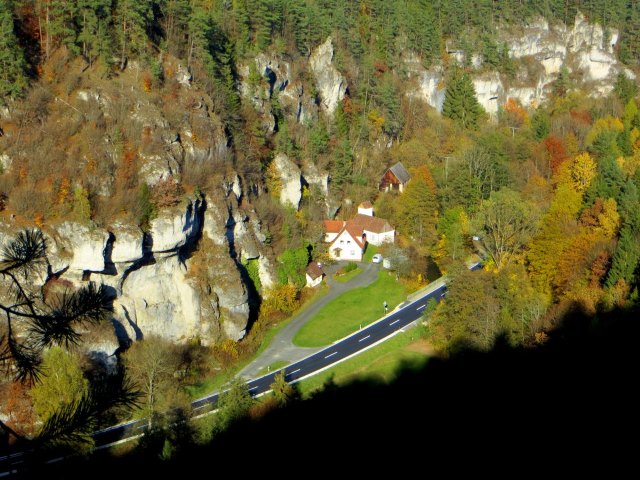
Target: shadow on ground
x=567 y=407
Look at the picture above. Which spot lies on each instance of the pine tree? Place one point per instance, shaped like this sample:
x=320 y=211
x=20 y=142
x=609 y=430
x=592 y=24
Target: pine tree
x=626 y=258
x=94 y=18
x=132 y=19
x=13 y=78
x=460 y=102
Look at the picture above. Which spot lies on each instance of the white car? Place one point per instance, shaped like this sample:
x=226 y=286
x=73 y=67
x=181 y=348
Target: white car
x=377 y=258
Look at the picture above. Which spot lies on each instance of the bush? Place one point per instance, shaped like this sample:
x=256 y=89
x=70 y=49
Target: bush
x=350 y=267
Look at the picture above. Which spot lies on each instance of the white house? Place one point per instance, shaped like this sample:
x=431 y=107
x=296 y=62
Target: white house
x=314 y=274
x=349 y=238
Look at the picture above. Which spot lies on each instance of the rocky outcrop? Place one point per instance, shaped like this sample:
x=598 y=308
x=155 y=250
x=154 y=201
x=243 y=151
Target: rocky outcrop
x=87 y=245
x=170 y=231
x=158 y=300
x=276 y=80
x=5 y=162
x=127 y=245
x=331 y=85
x=291 y=185
x=539 y=51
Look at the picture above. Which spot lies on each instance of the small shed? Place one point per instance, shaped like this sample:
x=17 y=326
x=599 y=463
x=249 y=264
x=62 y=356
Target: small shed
x=314 y=274
x=395 y=178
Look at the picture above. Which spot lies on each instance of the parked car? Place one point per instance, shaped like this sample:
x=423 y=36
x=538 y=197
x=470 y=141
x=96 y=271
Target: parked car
x=377 y=258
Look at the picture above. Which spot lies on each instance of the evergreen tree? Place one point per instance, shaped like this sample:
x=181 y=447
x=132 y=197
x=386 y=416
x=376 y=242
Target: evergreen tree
x=626 y=258
x=94 y=18
x=13 y=78
x=132 y=18
x=460 y=102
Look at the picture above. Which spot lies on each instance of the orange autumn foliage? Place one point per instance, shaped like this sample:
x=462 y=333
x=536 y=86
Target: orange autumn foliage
x=556 y=152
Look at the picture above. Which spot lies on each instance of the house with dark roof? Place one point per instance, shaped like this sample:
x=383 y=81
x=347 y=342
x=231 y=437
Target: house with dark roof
x=395 y=178
x=314 y=274
x=349 y=238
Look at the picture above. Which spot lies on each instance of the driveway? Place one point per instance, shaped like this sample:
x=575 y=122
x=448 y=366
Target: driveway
x=281 y=347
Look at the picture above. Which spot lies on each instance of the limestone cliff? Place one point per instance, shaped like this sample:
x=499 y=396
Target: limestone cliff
x=539 y=50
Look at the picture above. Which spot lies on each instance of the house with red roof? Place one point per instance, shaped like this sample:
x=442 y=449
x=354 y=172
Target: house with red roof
x=348 y=238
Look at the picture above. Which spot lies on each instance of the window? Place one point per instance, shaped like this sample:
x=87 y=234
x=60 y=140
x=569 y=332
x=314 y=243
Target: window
x=348 y=242
x=341 y=241
x=353 y=252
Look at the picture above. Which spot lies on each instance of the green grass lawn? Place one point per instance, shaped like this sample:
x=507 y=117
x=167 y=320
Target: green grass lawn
x=345 y=314
x=217 y=381
x=369 y=253
x=347 y=276
x=380 y=363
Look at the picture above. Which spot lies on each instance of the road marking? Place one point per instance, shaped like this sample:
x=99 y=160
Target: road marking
x=331 y=354
x=364 y=338
x=393 y=323
x=421 y=307
x=291 y=373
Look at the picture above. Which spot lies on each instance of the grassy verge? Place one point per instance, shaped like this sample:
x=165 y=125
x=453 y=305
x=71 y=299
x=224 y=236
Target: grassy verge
x=216 y=381
x=380 y=363
x=346 y=313
x=347 y=276
x=369 y=253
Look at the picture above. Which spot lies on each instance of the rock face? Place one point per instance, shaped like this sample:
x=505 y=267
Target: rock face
x=539 y=50
x=171 y=231
x=331 y=84
x=159 y=301
x=88 y=246
x=127 y=245
x=290 y=175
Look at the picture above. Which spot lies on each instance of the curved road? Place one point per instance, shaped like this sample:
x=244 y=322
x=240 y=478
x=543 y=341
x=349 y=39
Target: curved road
x=405 y=314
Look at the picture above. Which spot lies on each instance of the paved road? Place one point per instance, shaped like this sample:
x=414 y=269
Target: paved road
x=391 y=324
x=281 y=347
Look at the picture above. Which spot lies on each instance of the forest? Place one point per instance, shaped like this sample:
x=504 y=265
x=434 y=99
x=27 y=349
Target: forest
x=552 y=192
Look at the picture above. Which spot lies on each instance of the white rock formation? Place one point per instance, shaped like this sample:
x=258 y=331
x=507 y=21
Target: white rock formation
x=170 y=231
x=158 y=300
x=5 y=162
x=127 y=246
x=265 y=272
x=155 y=168
x=431 y=89
x=489 y=91
x=183 y=76
x=86 y=244
x=313 y=176
x=543 y=50
x=290 y=174
x=331 y=84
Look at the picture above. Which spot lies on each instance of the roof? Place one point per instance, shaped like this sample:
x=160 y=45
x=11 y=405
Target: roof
x=400 y=172
x=356 y=233
x=314 y=270
x=333 y=226
x=370 y=224
x=365 y=204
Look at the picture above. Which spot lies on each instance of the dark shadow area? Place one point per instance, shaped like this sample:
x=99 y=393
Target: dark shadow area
x=569 y=406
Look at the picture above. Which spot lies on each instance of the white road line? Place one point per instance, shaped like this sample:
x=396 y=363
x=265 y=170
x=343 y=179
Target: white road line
x=291 y=373
x=421 y=307
x=393 y=323
x=364 y=338
x=331 y=354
